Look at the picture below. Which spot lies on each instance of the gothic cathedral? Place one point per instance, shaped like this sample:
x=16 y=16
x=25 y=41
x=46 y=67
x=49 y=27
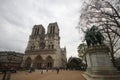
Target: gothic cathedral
x=43 y=49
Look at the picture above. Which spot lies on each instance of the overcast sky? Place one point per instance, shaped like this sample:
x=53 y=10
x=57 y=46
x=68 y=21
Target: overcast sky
x=17 y=17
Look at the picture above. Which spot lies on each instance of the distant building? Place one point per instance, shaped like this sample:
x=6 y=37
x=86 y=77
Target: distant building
x=43 y=49
x=10 y=59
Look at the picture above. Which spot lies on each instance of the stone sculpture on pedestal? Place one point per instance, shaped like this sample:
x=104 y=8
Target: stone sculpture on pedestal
x=97 y=55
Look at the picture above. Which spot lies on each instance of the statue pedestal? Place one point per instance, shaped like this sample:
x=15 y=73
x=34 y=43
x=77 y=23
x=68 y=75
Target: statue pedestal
x=99 y=64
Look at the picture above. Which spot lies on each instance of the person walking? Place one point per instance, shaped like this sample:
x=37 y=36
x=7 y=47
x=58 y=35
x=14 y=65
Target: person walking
x=57 y=70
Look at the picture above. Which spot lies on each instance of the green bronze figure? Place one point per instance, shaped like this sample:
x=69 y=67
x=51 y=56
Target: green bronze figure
x=93 y=36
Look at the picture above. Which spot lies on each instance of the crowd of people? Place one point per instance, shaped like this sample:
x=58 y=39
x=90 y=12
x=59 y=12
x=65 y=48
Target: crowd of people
x=46 y=70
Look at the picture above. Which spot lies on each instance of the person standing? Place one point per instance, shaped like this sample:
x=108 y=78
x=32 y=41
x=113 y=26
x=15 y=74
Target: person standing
x=57 y=70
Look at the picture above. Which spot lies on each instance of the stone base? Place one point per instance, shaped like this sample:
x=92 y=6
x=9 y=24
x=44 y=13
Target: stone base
x=88 y=76
x=102 y=70
x=99 y=64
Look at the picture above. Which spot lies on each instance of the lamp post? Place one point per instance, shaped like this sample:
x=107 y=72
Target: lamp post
x=5 y=76
x=9 y=72
x=5 y=73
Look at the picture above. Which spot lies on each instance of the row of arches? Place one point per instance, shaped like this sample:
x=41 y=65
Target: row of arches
x=39 y=63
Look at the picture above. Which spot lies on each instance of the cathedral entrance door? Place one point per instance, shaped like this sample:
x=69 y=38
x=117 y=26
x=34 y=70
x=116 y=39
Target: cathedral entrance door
x=49 y=65
x=49 y=62
x=39 y=65
x=28 y=62
x=38 y=62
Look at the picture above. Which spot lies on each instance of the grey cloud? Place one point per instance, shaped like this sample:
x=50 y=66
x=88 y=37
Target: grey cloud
x=17 y=18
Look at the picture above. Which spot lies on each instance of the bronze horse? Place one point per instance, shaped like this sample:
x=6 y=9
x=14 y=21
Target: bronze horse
x=93 y=36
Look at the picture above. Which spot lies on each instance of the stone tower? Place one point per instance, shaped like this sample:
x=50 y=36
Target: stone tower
x=36 y=39
x=52 y=36
x=43 y=50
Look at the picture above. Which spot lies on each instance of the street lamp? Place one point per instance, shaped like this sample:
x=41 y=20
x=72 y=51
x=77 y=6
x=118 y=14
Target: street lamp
x=9 y=59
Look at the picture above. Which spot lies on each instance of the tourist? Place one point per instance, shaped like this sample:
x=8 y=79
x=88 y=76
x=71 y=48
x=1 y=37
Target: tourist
x=57 y=70
x=42 y=72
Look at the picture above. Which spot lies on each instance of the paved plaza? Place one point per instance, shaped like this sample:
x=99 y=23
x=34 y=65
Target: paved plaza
x=50 y=75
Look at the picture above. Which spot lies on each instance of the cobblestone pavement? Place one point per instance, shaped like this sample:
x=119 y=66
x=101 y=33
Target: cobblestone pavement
x=50 y=75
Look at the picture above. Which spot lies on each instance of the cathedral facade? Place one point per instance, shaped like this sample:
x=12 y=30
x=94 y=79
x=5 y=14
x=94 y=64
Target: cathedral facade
x=43 y=49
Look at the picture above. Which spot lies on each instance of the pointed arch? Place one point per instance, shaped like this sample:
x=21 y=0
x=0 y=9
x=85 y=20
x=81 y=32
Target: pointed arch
x=50 y=29
x=38 y=62
x=37 y=31
x=53 y=29
x=49 y=62
x=28 y=62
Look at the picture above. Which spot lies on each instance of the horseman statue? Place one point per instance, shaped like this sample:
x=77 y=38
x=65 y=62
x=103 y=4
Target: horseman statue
x=93 y=36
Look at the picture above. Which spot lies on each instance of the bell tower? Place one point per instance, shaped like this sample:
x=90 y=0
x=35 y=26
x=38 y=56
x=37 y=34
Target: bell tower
x=36 y=39
x=52 y=36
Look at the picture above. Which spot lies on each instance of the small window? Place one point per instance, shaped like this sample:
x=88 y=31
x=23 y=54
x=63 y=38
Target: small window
x=49 y=46
x=42 y=45
x=52 y=46
x=32 y=47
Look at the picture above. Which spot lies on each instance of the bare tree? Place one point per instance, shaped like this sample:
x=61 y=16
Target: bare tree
x=106 y=15
x=113 y=41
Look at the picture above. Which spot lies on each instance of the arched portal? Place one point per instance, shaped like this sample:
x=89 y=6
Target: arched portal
x=49 y=62
x=38 y=62
x=28 y=62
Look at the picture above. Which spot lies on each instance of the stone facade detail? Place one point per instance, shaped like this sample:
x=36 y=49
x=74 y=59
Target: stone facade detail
x=43 y=49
